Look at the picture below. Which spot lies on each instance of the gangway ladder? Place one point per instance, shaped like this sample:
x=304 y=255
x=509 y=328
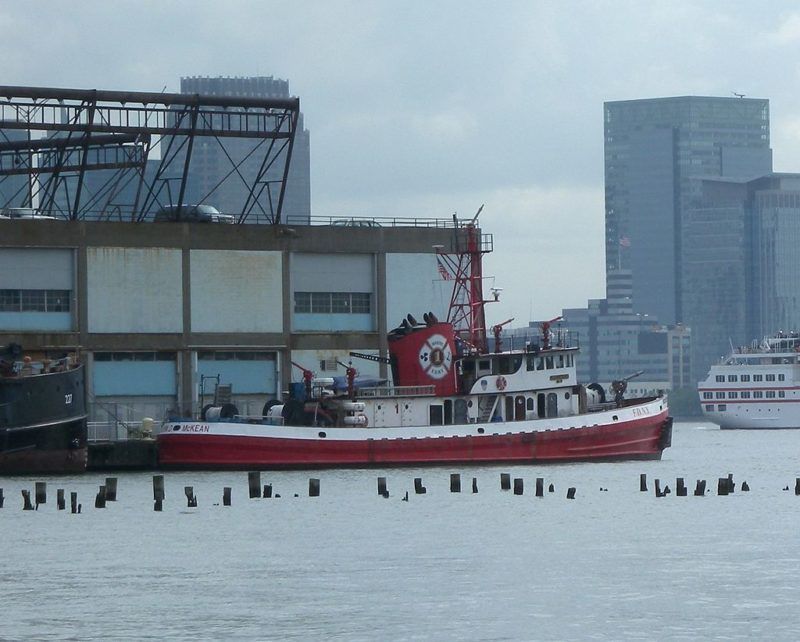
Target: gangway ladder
x=488 y=408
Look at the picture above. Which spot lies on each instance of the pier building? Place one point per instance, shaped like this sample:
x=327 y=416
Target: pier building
x=106 y=250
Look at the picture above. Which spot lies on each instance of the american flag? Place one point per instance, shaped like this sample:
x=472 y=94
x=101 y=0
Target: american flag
x=624 y=241
x=442 y=269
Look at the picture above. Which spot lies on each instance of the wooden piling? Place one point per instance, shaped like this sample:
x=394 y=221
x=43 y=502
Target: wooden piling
x=100 y=498
x=158 y=505
x=518 y=486
x=797 y=486
x=111 y=489
x=680 y=487
x=731 y=485
x=191 y=500
x=419 y=489
x=571 y=492
x=700 y=489
x=267 y=491
x=643 y=482
x=158 y=488
x=41 y=493
x=722 y=486
x=540 y=486
x=382 y=491
x=226 y=496
x=455 y=483
x=2 y=499
x=61 y=503
x=26 y=500
x=505 y=481
x=658 y=490
x=745 y=487
x=551 y=488
x=474 y=484
x=254 y=484
x=313 y=487
x=73 y=502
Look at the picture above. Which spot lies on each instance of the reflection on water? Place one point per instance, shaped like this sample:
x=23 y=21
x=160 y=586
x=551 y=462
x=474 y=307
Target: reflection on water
x=350 y=565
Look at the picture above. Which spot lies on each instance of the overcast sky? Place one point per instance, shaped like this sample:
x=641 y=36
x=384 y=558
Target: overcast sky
x=429 y=108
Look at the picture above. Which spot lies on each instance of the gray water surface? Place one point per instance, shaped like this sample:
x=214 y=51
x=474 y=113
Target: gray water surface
x=350 y=565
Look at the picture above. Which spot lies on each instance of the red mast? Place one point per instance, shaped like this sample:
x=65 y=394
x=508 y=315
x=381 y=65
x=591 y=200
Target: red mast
x=464 y=267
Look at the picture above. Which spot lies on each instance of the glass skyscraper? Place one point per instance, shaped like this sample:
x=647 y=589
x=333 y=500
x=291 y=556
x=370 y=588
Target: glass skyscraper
x=213 y=179
x=677 y=245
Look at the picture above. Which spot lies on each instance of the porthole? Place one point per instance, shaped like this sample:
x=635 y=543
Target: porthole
x=614 y=417
x=480 y=431
x=566 y=395
x=176 y=428
x=322 y=434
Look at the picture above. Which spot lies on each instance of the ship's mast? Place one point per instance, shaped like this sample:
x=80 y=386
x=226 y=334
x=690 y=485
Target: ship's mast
x=464 y=267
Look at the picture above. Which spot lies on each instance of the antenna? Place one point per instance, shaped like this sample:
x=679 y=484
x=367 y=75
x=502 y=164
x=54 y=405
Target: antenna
x=738 y=95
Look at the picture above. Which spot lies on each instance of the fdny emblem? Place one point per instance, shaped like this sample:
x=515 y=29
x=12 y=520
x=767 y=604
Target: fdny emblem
x=436 y=357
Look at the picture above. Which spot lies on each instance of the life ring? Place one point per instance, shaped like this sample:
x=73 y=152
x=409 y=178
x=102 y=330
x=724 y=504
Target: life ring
x=501 y=383
x=436 y=357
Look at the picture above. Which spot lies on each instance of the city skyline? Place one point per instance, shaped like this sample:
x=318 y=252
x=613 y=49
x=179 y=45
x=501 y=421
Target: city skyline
x=429 y=110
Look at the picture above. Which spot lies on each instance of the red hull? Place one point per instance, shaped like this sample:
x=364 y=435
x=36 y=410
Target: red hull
x=638 y=439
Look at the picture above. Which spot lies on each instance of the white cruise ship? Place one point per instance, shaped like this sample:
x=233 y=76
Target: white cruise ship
x=756 y=386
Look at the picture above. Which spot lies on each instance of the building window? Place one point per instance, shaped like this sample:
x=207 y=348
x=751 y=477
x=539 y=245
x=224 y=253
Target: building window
x=732 y=377
x=710 y=407
x=134 y=356
x=758 y=378
x=708 y=395
x=770 y=394
x=328 y=365
x=782 y=394
x=720 y=378
x=745 y=394
x=781 y=377
x=757 y=394
x=332 y=302
x=722 y=407
x=770 y=377
x=745 y=378
x=720 y=395
x=733 y=395
x=35 y=300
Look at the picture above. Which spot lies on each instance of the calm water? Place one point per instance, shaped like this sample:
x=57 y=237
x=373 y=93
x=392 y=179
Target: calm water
x=350 y=565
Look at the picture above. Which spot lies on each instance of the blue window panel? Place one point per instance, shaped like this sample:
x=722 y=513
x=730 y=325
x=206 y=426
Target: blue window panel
x=246 y=377
x=333 y=322
x=134 y=378
x=26 y=321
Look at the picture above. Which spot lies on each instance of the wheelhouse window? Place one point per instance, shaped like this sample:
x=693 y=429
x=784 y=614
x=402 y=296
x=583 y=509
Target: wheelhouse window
x=732 y=377
x=720 y=378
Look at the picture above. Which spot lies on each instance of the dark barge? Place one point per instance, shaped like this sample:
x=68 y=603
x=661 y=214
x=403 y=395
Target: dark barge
x=42 y=414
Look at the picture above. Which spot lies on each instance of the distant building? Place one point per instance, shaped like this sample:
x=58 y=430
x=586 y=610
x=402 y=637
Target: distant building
x=213 y=178
x=616 y=342
x=744 y=258
x=657 y=154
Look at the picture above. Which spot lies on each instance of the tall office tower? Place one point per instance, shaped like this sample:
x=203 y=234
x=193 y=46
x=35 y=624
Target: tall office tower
x=656 y=152
x=213 y=179
x=686 y=258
